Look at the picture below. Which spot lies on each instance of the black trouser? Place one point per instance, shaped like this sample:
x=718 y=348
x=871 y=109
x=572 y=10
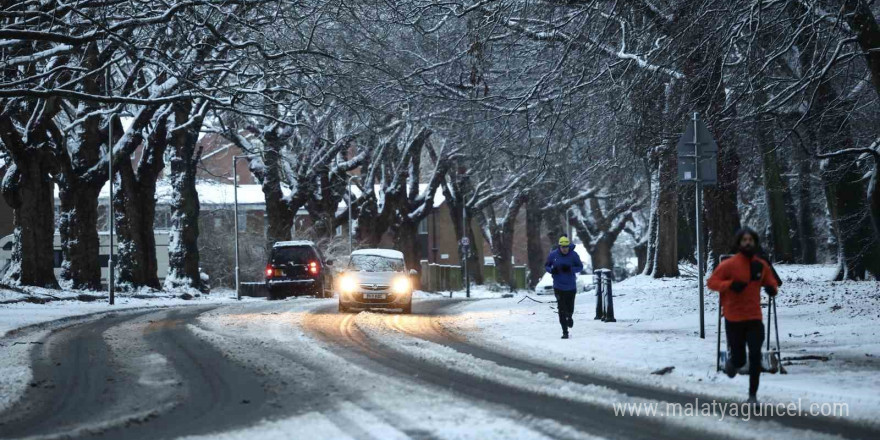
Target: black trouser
x=565 y=306
x=739 y=335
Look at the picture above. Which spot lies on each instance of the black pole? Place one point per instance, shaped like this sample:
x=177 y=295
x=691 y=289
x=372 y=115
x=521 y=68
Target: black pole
x=599 y=308
x=609 y=300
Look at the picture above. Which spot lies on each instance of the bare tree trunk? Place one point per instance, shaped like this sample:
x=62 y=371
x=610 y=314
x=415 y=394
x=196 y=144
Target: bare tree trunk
x=601 y=256
x=641 y=251
x=666 y=248
x=406 y=241
x=806 y=231
x=775 y=193
x=502 y=250
x=534 y=245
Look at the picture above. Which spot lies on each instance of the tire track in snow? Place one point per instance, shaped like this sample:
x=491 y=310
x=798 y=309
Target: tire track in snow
x=586 y=418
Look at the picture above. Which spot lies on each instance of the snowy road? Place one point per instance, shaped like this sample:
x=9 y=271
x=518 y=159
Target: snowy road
x=299 y=369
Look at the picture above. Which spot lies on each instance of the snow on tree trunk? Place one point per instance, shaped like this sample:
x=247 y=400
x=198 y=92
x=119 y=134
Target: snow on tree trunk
x=79 y=186
x=135 y=204
x=183 y=245
x=279 y=213
x=78 y=227
x=653 y=223
x=29 y=190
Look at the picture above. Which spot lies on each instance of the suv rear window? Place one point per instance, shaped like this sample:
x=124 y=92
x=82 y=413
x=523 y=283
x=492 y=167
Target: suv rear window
x=293 y=255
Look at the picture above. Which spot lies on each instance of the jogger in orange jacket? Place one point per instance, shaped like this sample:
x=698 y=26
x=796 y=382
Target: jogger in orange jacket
x=739 y=280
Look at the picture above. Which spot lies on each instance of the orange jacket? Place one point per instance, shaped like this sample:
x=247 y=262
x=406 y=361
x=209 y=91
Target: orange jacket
x=745 y=305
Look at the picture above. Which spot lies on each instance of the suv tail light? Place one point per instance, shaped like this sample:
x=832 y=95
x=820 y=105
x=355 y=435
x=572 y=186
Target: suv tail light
x=269 y=271
x=313 y=267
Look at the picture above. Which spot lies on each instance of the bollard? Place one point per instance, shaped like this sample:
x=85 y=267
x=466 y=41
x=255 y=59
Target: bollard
x=609 y=300
x=597 y=274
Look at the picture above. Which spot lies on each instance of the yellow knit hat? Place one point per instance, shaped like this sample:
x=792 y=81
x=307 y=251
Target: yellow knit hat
x=563 y=241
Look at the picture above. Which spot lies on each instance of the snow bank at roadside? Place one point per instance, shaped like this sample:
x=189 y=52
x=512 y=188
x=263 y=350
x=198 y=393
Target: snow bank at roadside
x=41 y=295
x=22 y=314
x=658 y=323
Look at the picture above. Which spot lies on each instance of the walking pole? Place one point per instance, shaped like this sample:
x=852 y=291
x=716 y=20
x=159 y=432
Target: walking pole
x=778 y=347
x=769 y=315
x=718 y=347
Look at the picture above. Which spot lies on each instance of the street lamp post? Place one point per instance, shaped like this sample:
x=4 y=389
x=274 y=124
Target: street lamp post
x=350 y=225
x=235 y=216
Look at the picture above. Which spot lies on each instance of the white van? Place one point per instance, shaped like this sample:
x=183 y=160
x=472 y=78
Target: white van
x=8 y=242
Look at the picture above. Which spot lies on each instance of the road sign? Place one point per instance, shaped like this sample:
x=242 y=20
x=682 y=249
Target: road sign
x=708 y=170
x=697 y=143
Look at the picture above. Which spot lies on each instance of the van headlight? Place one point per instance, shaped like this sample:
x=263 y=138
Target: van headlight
x=347 y=284
x=401 y=285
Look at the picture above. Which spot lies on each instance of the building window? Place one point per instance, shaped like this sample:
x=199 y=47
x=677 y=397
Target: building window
x=218 y=222
x=423 y=226
x=339 y=231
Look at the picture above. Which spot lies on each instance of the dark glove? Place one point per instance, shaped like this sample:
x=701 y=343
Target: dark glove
x=565 y=268
x=757 y=270
x=738 y=286
x=770 y=290
x=553 y=270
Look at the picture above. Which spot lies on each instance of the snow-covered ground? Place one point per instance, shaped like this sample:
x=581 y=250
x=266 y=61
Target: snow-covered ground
x=658 y=326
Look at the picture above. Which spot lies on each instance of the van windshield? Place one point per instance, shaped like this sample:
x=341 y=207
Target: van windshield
x=375 y=263
x=293 y=255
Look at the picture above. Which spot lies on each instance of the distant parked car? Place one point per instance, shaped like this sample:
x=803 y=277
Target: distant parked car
x=545 y=286
x=298 y=268
x=375 y=279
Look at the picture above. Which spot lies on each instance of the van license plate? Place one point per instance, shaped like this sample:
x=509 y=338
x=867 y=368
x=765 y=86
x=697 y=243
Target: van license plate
x=374 y=296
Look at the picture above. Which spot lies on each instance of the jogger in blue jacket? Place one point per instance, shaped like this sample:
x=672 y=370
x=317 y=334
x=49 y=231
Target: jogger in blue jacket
x=564 y=264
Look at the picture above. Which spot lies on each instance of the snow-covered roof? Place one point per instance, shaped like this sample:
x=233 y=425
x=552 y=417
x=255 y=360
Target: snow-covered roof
x=293 y=243
x=439 y=198
x=210 y=193
x=217 y=193
x=387 y=253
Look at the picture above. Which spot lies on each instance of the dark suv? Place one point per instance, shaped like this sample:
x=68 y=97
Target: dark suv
x=298 y=268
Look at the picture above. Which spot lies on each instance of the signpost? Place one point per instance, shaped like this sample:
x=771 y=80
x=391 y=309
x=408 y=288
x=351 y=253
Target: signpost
x=465 y=251
x=697 y=163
